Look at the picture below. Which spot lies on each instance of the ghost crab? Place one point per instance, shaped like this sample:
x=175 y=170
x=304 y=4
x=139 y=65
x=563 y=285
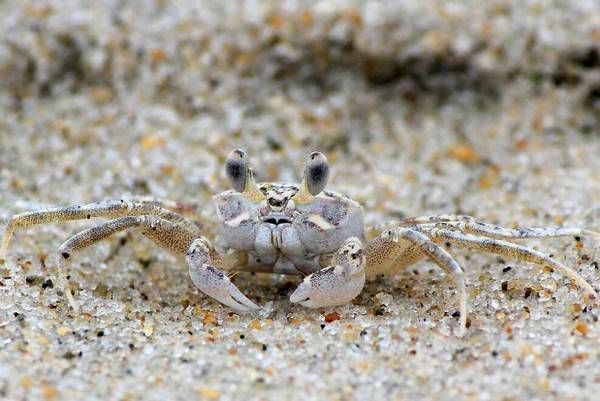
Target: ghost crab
x=294 y=229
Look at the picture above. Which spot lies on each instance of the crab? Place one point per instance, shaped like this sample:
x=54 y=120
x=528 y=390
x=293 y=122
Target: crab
x=286 y=228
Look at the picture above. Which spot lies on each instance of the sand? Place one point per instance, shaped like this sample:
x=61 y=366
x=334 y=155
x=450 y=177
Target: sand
x=421 y=107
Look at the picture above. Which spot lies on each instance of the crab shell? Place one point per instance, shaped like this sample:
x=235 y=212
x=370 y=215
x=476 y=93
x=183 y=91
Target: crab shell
x=285 y=232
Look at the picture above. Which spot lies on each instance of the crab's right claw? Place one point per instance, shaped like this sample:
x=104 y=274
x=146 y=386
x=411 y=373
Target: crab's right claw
x=214 y=282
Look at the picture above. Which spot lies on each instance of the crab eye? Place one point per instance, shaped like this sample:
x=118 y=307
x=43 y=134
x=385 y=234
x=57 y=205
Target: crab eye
x=236 y=169
x=316 y=174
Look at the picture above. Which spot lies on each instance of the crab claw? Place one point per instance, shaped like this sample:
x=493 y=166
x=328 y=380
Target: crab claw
x=217 y=285
x=214 y=282
x=334 y=285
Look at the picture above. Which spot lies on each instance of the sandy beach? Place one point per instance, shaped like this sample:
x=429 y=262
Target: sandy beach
x=421 y=107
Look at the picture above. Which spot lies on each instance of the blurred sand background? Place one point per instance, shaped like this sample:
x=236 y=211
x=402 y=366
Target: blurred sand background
x=422 y=107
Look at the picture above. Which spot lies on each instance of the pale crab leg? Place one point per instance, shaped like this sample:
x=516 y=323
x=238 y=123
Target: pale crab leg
x=436 y=218
x=169 y=235
x=111 y=209
x=402 y=246
x=469 y=225
x=512 y=250
x=183 y=208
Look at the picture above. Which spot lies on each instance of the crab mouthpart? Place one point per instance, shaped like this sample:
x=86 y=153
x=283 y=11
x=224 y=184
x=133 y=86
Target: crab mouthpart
x=276 y=219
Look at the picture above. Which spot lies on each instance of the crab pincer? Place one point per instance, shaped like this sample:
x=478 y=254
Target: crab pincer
x=212 y=281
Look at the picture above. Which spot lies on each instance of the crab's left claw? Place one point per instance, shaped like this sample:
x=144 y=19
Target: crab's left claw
x=334 y=285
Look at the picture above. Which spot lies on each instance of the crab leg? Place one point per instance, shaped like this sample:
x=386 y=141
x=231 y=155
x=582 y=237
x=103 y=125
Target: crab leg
x=172 y=236
x=167 y=234
x=436 y=218
x=468 y=224
x=493 y=231
x=403 y=246
x=509 y=249
x=182 y=208
x=111 y=209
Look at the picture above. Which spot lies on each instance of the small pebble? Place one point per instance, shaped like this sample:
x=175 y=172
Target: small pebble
x=331 y=317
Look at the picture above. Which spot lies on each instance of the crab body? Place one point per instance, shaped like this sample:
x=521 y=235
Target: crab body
x=283 y=234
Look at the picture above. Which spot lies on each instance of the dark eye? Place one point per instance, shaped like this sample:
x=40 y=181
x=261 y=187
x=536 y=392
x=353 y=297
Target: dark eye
x=316 y=173
x=236 y=169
